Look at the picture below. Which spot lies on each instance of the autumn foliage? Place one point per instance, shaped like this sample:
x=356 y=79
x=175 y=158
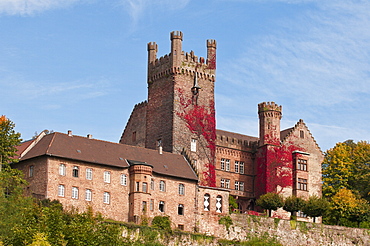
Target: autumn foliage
x=200 y=120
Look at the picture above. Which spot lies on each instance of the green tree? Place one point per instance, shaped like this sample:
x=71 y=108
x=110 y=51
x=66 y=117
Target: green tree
x=9 y=139
x=270 y=201
x=293 y=204
x=233 y=205
x=315 y=207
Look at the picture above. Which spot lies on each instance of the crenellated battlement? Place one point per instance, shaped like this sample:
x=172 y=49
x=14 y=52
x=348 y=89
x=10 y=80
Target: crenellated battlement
x=269 y=106
x=211 y=43
x=235 y=143
x=176 y=35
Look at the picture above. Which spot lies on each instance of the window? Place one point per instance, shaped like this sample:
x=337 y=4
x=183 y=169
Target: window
x=302 y=165
x=180 y=227
x=241 y=167
x=137 y=186
x=61 y=190
x=236 y=185
x=30 y=171
x=107 y=177
x=302 y=184
x=161 y=206
x=193 y=145
x=180 y=209
x=145 y=187
x=181 y=189
x=88 y=195
x=301 y=134
x=227 y=183
x=237 y=166
x=162 y=185
x=106 y=198
x=62 y=169
x=88 y=173
x=144 y=206
x=206 y=202
x=75 y=172
x=74 y=193
x=219 y=204
x=151 y=205
x=222 y=163
x=123 y=179
x=152 y=184
x=222 y=183
x=227 y=165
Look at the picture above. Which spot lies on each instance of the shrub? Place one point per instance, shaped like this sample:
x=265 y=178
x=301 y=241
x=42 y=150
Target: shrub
x=270 y=201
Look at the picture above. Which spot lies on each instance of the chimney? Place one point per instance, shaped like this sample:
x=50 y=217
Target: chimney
x=89 y=136
x=160 y=150
x=70 y=133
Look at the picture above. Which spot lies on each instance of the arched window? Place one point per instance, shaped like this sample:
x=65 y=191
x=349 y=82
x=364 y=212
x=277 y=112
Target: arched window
x=162 y=185
x=88 y=173
x=75 y=172
x=88 y=195
x=180 y=209
x=107 y=177
x=61 y=190
x=161 y=206
x=123 y=179
x=62 y=169
x=206 y=202
x=181 y=189
x=219 y=204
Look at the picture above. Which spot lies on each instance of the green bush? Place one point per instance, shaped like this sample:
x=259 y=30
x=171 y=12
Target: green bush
x=162 y=222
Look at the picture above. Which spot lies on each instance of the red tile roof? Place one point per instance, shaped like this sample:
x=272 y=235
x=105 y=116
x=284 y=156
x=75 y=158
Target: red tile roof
x=107 y=153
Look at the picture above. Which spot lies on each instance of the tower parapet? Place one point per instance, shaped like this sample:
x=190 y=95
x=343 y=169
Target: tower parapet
x=270 y=115
x=177 y=61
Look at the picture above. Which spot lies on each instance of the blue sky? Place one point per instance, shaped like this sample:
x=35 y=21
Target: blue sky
x=80 y=65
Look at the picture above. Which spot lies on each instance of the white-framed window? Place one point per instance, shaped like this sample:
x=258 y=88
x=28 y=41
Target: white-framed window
x=145 y=187
x=241 y=186
x=162 y=185
x=107 y=177
x=236 y=185
x=31 y=170
x=89 y=173
x=193 y=145
x=88 y=195
x=222 y=163
x=152 y=184
x=227 y=183
x=62 y=169
x=206 y=202
x=241 y=167
x=222 y=183
x=75 y=172
x=106 y=198
x=181 y=189
x=237 y=166
x=161 y=206
x=61 y=190
x=180 y=209
x=124 y=179
x=74 y=192
x=219 y=204
x=227 y=163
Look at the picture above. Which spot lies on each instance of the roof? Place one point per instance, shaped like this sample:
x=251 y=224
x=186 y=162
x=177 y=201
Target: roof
x=107 y=153
x=236 y=135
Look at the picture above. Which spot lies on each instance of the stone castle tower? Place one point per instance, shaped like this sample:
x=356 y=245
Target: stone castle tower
x=179 y=114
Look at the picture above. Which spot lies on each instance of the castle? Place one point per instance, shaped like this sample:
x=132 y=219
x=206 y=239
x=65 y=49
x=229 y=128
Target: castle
x=171 y=160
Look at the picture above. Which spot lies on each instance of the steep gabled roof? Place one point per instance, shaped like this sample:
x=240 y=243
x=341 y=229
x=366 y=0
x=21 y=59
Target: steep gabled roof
x=109 y=154
x=286 y=133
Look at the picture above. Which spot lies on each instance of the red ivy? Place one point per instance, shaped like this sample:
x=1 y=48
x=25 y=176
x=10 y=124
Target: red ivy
x=201 y=121
x=275 y=166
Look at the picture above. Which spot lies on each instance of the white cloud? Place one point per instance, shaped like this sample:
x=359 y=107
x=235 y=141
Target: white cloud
x=29 y=7
x=137 y=8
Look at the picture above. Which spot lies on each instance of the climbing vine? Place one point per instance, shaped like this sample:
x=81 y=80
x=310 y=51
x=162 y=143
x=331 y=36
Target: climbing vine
x=200 y=120
x=275 y=166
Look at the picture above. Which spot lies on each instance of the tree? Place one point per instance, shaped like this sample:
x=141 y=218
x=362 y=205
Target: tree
x=9 y=139
x=315 y=207
x=347 y=165
x=293 y=204
x=270 y=201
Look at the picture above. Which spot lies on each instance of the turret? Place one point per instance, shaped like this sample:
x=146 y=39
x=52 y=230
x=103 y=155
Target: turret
x=152 y=52
x=211 y=53
x=269 y=116
x=176 y=48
